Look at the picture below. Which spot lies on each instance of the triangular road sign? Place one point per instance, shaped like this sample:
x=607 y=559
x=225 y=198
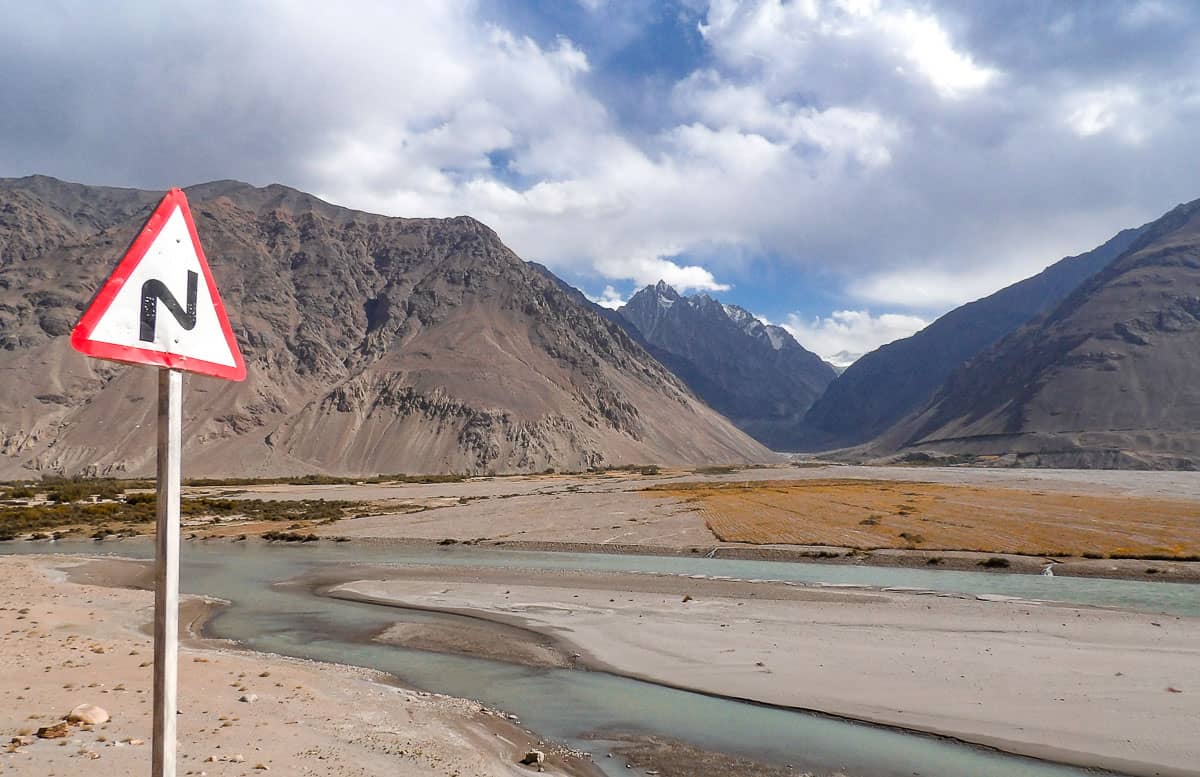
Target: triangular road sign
x=160 y=306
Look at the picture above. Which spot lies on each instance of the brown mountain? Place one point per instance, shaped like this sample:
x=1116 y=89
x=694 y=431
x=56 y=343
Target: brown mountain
x=373 y=344
x=892 y=382
x=1110 y=377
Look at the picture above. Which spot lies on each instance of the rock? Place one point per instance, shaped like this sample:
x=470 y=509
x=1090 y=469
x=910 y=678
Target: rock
x=57 y=731
x=237 y=759
x=88 y=714
x=249 y=698
x=535 y=758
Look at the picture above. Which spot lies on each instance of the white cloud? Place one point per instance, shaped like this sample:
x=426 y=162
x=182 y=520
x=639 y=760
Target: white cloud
x=917 y=155
x=926 y=44
x=791 y=40
x=840 y=132
x=1116 y=109
x=920 y=289
x=609 y=298
x=846 y=335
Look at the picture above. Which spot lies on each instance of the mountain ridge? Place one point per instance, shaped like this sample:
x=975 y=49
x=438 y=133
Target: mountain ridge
x=886 y=385
x=754 y=373
x=1106 y=378
x=373 y=344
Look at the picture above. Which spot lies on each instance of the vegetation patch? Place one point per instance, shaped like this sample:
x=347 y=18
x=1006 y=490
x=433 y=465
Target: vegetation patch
x=640 y=469
x=124 y=514
x=289 y=536
x=877 y=514
x=327 y=480
x=716 y=470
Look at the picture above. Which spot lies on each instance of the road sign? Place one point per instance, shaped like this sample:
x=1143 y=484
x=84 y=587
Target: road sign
x=160 y=306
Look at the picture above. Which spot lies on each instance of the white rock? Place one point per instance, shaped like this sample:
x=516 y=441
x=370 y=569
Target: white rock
x=89 y=714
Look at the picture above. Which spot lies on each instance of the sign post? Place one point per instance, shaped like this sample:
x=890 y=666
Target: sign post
x=166 y=571
x=122 y=323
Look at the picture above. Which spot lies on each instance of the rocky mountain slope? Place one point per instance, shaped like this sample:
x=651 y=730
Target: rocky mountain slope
x=1110 y=377
x=888 y=384
x=898 y=379
x=373 y=344
x=756 y=374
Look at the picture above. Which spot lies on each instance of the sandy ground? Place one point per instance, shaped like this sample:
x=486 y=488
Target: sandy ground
x=1082 y=685
x=64 y=644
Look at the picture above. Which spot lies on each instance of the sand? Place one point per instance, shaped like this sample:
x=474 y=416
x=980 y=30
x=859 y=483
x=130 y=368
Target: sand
x=65 y=643
x=1087 y=686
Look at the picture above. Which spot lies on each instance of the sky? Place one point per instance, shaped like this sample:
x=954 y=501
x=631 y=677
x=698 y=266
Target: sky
x=850 y=169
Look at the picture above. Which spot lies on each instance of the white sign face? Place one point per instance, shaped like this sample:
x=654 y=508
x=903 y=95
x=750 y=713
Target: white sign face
x=164 y=300
x=160 y=306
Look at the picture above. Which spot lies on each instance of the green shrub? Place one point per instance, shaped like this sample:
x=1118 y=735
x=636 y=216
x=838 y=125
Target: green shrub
x=141 y=509
x=287 y=536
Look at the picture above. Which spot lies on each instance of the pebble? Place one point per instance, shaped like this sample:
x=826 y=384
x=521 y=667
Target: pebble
x=57 y=731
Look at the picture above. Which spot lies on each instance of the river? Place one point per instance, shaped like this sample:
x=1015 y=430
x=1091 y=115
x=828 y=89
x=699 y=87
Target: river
x=587 y=709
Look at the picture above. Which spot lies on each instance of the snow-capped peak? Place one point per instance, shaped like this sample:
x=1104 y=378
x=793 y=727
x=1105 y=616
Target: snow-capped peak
x=777 y=335
x=736 y=314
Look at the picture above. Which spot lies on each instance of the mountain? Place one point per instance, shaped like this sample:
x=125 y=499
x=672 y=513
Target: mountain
x=888 y=384
x=755 y=374
x=373 y=344
x=1108 y=378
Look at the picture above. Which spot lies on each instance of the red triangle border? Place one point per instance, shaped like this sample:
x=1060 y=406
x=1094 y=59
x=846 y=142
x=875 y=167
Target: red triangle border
x=81 y=335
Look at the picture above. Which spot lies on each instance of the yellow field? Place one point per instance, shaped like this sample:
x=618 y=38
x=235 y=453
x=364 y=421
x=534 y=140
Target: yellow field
x=870 y=514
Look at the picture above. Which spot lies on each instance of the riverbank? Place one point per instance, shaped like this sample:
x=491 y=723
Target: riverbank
x=1122 y=525
x=1147 y=570
x=74 y=631
x=1087 y=686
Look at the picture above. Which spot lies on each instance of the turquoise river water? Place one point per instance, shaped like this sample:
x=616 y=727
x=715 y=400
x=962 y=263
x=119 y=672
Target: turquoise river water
x=589 y=709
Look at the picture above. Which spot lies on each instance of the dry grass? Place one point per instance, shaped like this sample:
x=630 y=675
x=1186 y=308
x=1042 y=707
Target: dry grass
x=875 y=514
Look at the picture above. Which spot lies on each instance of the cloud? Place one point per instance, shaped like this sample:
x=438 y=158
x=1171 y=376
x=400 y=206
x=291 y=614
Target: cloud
x=845 y=335
x=609 y=298
x=930 y=290
x=1114 y=109
x=785 y=40
x=910 y=154
x=926 y=44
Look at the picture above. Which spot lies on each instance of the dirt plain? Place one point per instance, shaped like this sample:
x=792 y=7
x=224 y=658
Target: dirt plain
x=957 y=516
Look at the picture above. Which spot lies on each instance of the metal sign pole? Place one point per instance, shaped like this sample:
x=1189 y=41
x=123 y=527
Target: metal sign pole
x=166 y=571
